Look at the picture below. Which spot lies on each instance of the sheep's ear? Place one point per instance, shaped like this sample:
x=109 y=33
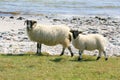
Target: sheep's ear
x=80 y=32
x=34 y=22
x=71 y=31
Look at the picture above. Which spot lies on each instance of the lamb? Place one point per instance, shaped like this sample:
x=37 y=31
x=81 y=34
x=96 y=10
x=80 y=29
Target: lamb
x=89 y=42
x=49 y=35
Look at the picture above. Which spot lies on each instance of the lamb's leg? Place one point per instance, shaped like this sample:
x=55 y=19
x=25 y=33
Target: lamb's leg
x=106 y=58
x=69 y=48
x=99 y=55
x=38 y=49
x=80 y=55
x=62 y=51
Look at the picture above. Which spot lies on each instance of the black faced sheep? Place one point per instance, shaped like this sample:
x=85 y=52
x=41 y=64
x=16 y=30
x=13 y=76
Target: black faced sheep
x=89 y=42
x=49 y=35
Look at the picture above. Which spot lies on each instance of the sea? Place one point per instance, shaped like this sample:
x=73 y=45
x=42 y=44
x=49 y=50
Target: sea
x=65 y=7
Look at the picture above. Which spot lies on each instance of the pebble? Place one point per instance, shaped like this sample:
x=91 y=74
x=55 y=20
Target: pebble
x=11 y=17
x=20 y=18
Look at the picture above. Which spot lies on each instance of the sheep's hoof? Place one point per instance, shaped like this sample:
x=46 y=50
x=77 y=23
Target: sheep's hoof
x=72 y=55
x=38 y=54
x=61 y=54
x=106 y=59
x=98 y=58
x=79 y=59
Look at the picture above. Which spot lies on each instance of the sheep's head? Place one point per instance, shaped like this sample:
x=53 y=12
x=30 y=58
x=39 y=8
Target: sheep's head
x=75 y=33
x=30 y=24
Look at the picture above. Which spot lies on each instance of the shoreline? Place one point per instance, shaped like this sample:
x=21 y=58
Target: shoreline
x=13 y=31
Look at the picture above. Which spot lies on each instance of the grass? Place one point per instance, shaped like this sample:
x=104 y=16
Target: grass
x=46 y=67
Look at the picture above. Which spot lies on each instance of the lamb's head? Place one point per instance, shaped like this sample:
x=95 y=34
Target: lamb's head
x=30 y=24
x=75 y=33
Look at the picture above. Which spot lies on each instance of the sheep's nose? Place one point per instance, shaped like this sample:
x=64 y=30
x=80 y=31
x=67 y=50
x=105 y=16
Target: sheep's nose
x=28 y=28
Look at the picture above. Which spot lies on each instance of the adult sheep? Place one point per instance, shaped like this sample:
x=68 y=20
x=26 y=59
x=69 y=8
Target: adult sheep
x=49 y=35
x=89 y=42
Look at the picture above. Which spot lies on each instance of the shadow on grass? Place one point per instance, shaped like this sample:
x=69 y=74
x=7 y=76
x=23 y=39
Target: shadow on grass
x=17 y=54
x=83 y=60
x=26 y=54
x=56 y=60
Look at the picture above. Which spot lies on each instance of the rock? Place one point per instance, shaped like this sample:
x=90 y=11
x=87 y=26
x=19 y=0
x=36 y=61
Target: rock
x=91 y=30
x=65 y=20
x=25 y=39
x=20 y=33
x=11 y=17
x=0 y=36
x=2 y=17
x=20 y=18
x=117 y=55
x=12 y=30
x=74 y=18
x=56 y=20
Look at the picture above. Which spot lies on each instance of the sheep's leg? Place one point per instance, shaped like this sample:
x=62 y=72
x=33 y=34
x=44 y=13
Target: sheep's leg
x=99 y=55
x=80 y=55
x=69 y=48
x=62 y=51
x=106 y=58
x=38 y=49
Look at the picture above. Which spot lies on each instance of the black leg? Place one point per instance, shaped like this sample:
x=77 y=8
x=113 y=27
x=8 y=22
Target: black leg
x=62 y=51
x=99 y=55
x=38 y=49
x=106 y=57
x=98 y=58
x=69 y=48
x=79 y=59
x=80 y=55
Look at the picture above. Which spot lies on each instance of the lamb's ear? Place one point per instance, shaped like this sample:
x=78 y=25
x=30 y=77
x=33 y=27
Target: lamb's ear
x=34 y=22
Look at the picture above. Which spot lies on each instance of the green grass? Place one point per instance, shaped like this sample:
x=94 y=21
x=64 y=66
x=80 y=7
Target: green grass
x=46 y=67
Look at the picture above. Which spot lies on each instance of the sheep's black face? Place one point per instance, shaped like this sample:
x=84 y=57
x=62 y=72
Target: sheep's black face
x=30 y=24
x=75 y=33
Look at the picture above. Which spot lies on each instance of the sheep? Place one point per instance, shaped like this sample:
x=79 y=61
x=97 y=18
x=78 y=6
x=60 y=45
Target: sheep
x=49 y=35
x=89 y=42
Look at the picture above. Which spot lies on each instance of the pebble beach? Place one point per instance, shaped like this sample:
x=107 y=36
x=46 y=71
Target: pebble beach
x=14 y=39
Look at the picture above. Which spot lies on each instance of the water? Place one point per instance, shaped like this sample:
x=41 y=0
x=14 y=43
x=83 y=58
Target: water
x=74 y=7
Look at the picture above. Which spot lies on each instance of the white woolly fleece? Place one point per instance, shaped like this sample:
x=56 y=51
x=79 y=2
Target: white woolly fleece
x=90 y=42
x=50 y=34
